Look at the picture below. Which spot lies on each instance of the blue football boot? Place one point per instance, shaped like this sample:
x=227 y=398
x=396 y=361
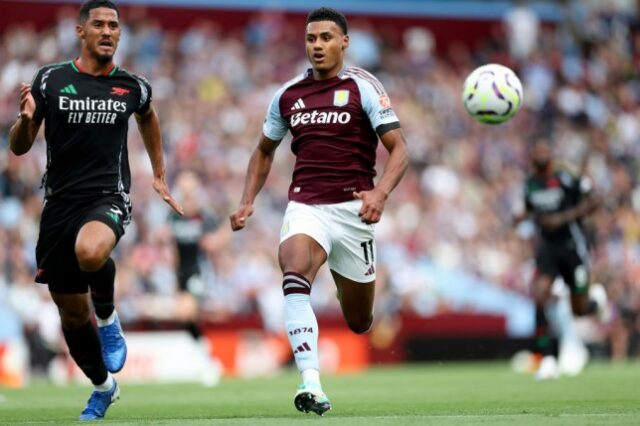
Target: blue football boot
x=114 y=348
x=99 y=402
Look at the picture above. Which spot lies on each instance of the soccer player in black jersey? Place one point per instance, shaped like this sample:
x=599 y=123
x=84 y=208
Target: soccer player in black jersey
x=196 y=233
x=558 y=201
x=85 y=105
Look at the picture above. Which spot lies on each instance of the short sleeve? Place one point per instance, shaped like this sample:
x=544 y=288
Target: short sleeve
x=145 y=95
x=38 y=86
x=275 y=127
x=375 y=102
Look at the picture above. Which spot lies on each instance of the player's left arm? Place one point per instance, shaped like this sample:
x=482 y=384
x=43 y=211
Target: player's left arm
x=373 y=201
x=149 y=126
x=377 y=106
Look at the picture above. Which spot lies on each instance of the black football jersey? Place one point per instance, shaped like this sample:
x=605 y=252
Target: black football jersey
x=188 y=231
x=555 y=193
x=85 y=125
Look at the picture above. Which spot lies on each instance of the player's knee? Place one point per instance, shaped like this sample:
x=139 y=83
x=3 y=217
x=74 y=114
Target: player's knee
x=90 y=258
x=360 y=324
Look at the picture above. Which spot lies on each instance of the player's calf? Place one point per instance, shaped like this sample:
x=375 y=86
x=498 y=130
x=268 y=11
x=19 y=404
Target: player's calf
x=598 y=295
x=591 y=302
x=359 y=323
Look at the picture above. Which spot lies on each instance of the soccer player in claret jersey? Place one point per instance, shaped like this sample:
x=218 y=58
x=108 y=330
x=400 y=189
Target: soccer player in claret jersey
x=336 y=115
x=558 y=201
x=85 y=105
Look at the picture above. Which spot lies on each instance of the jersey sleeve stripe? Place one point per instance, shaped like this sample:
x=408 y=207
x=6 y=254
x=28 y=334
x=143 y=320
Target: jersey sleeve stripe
x=359 y=72
x=45 y=77
x=142 y=82
x=144 y=94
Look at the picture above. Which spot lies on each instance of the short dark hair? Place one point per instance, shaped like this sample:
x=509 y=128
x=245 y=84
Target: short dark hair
x=94 y=4
x=328 y=14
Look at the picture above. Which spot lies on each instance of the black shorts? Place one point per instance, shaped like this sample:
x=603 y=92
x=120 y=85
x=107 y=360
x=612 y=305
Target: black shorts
x=566 y=261
x=59 y=226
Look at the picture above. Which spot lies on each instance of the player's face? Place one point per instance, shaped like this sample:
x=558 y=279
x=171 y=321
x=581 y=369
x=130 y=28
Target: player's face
x=100 y=33
x=325 y=44
x=541 y=156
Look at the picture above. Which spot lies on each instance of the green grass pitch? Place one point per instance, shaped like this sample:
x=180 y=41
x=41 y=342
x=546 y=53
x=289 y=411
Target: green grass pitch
x=419 y=394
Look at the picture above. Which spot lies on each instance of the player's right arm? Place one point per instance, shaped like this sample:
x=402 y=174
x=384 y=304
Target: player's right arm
x=23 y=132
x=257 y=172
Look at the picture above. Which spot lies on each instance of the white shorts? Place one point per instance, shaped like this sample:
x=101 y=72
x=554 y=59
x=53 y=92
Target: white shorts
x=348 y=242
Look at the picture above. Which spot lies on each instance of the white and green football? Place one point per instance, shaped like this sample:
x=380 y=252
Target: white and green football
x=492 y=94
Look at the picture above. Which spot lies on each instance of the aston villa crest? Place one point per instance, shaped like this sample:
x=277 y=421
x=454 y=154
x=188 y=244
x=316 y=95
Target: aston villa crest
x=340 y=98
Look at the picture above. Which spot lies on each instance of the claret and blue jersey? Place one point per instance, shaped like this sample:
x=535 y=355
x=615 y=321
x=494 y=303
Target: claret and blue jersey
x=335 y=125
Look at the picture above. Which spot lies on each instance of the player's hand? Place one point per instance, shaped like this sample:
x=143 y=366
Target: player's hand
x=372 y=205
x=552 y=221
x=239 y=218
x=161 y=188
x=27 y=103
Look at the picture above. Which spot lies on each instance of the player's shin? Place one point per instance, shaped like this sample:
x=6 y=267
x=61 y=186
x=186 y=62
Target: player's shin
x=572 y=353
x=102 y=289
x=302 y=331
x=548 y=364
x=560 y=318
x=542 y=344
x=114 y=347
x=302 y=326
x=84 y=347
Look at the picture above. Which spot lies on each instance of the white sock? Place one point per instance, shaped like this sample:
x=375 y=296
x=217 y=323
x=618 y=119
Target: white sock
x=301 y=324
x=561 y=320
x=106 y=386
x=311 y=377
x=108 y=321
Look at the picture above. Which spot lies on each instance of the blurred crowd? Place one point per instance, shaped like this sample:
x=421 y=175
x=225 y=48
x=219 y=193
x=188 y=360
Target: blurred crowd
x=452 y=211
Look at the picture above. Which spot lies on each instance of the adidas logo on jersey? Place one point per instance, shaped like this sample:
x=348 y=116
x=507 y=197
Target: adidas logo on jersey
x=315 y=117
x=298 y=105
x=70 y=89
x=371 y=271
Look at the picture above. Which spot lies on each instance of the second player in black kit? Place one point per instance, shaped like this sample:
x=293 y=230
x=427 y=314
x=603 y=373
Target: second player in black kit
x=558 y=201
x=85 y=105
x=560 y=250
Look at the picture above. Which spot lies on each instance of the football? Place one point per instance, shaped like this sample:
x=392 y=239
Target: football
x=492 y=94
